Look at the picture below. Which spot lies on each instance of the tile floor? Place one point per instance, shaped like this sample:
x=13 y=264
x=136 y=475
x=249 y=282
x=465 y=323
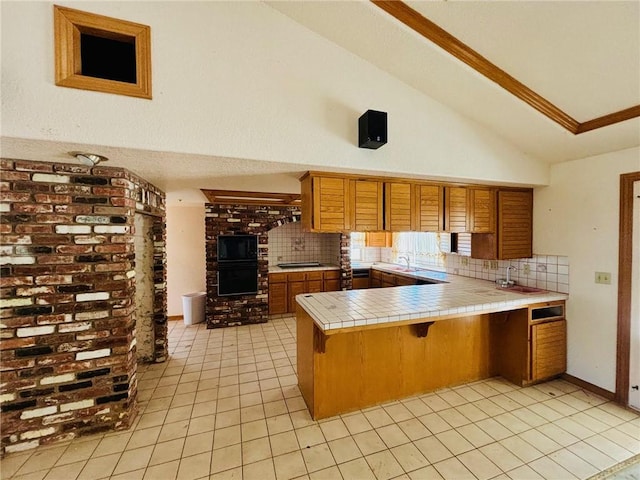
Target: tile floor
x=226 y=406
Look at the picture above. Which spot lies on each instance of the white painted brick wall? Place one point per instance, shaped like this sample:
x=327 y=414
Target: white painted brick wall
x=38 y=412
x=67 y=407
x=67 y=377
x=104 y=352
x=33 y=331
x=89 y=297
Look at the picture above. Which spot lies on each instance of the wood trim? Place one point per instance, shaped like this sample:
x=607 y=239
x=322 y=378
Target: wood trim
x=625 y=255
x=68 y=26
x=609 y=119
x=229 y=197
x=590 y=387
x=172 y=318
x=467 y=55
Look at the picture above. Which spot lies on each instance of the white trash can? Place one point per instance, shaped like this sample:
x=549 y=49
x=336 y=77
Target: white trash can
x=193 y=307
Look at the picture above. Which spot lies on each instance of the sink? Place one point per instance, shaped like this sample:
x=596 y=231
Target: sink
x=401 y=269
x=523 y=289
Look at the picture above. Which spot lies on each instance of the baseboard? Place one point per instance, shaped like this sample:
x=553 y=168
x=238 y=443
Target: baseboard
x=175 y=317
x=589 y=386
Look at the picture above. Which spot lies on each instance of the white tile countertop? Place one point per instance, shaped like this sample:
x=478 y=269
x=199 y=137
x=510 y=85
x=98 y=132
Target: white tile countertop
x=326 y=266
x=333 y=311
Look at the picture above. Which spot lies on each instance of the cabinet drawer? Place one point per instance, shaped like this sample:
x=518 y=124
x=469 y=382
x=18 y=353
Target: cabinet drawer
x=544 y=312
x=296 y=277
x=277 y=277
x=314 y=275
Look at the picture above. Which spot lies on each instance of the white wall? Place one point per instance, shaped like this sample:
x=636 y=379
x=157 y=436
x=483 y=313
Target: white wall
x=241 y=80
x=186 y=260
x=577 y=215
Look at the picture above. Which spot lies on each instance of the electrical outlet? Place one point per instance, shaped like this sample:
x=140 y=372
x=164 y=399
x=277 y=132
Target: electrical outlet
x=464 y=261
x=603 y=277
x=526 y=269
x=494 y=264
x=485 y=264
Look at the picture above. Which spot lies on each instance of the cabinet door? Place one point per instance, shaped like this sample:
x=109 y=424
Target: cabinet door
x=548 y=349
x=330 y=204
x=277 y=298
x=515 y=224
x=482 y=210
x=402 y=280
x=293 y=289
x=360 y=283
x=366 y=205
x=378 y=239
x=332 y=285
x=375 y=279
x=398 y=207
x=455 y=209
x=429 y=209
x=314 y=286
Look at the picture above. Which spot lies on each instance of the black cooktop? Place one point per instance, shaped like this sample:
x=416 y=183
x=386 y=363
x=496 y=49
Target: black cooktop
x=299 y=264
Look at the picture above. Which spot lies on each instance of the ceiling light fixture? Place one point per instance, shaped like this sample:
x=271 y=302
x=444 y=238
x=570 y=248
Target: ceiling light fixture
x=89 y=159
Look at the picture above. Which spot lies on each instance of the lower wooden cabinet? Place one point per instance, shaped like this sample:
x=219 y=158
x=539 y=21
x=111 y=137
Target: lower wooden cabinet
x=548 y=349
x=283 y=287
x=379 y=279
x=531 y=344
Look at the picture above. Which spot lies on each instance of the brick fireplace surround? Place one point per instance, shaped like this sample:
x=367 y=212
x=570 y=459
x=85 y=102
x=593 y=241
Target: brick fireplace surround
x=67 y=307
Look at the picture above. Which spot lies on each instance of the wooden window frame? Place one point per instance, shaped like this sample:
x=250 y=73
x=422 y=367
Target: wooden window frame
x=69 y=24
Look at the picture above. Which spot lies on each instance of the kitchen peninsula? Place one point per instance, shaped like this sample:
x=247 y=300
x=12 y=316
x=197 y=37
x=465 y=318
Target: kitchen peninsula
x=358 y=348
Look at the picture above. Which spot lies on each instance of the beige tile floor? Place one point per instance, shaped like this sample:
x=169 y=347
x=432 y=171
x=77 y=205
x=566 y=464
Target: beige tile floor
x=226 y=406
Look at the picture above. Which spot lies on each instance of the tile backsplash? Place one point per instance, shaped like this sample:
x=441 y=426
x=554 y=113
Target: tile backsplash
x=549 y=272
x=289 y=243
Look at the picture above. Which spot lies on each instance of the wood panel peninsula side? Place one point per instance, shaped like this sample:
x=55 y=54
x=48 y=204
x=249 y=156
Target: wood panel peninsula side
x=359 y=348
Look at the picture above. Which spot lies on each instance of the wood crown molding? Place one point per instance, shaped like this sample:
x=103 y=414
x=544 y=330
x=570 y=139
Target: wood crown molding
x=467 y=55
x=230 y=197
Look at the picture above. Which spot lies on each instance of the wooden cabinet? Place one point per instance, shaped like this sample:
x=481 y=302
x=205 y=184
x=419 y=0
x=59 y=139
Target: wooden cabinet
x=482 y=210
x=366 y=205
x=278 y=293
x=360 y=283
x=398 y=207
x=325 y=203
x=514 y=228
x=331 y=280
x=429 y=208
x=455 y=209
x=283 y=287
x=531 y=344
x=378 y=239
x=379 y=279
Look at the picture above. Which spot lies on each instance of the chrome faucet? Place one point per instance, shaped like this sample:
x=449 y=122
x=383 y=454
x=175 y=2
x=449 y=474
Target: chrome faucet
x=406 y=259
x=509 y=273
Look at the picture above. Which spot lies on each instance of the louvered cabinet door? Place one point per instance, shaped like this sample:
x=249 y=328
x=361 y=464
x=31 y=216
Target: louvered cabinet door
x=331 y=204
x=515 y=224
x=548 y=349
x=429 y=208
x=482 y=210
x=366 y=205
x=398 y=199
x=455 y=207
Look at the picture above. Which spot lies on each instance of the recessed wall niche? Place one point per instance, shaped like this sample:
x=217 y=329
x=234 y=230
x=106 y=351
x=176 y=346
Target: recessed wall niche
x=104 y=54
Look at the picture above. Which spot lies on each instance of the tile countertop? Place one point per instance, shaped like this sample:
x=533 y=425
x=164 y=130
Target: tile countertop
x=333 y=311
x=325 y=266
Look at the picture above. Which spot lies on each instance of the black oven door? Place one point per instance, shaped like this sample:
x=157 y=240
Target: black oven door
x=237 y=278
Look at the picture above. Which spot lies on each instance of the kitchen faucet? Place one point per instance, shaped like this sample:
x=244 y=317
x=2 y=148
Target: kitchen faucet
x=405 y=258
x=509 y=273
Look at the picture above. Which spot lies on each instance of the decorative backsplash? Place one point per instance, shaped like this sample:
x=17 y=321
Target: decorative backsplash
x=550 y=272
x=289 y=243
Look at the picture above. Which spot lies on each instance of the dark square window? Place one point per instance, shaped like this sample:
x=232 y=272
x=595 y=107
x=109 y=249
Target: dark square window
x=108 y=58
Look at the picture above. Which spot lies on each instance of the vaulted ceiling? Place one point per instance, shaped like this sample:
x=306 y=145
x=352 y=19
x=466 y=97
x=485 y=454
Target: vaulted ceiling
x=566 y=65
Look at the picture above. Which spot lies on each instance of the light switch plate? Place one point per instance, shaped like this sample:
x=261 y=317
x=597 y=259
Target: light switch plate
x=603 y=278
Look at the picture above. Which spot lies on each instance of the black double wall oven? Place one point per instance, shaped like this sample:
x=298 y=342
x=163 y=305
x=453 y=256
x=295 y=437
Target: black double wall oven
x=237 y=265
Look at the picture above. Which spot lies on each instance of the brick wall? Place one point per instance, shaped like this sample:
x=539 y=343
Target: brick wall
x=257 y=220
x=67 y=310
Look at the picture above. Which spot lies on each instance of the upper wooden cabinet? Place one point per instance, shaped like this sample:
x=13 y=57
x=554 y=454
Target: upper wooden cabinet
x=456 y=204
x=378 y=239
x=398 y=207
x=429 y=208
x=514 y=228
x=325 y=203
x=482 y=210
x=366 y=205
